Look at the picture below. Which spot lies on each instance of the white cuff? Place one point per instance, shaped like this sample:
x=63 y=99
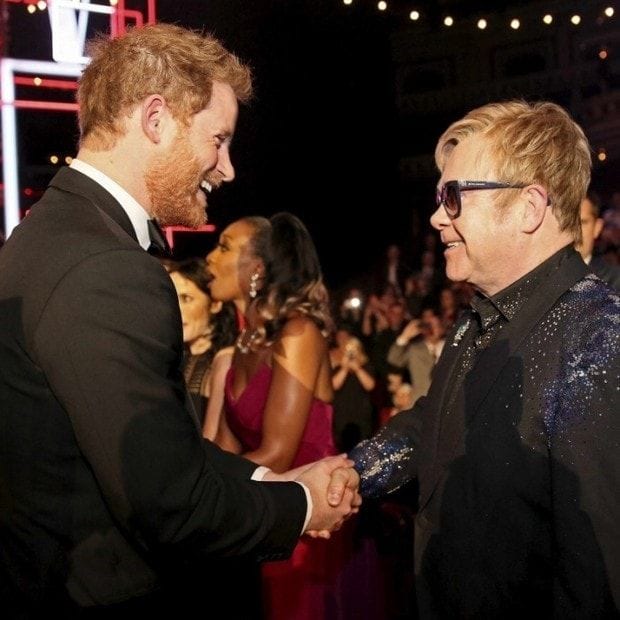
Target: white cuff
x=309 y=508
x=259 y=473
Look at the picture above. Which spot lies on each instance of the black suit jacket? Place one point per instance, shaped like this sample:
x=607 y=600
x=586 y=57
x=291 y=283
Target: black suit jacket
x=106 y=484
x=519 y=503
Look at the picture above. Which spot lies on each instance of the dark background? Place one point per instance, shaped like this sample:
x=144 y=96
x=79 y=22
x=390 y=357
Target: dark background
x=322 y=137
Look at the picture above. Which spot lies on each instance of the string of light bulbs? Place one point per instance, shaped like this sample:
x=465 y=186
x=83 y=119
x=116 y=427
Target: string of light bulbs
x=482 y=23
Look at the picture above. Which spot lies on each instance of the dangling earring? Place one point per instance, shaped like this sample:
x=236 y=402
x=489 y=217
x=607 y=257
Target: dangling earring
x=253 y=285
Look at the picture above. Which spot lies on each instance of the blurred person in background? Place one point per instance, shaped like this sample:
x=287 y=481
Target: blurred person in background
x=448 y=306
x=592 y=225
x=209 y=331
x=353 y=380
x=352 y=311
x=394 y=379
x=391 y=271
x=412 y=297
x=402 y=399
x=417 y=349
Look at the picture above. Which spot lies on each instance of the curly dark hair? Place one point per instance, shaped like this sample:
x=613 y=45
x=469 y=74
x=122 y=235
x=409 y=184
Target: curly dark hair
x=293 y=282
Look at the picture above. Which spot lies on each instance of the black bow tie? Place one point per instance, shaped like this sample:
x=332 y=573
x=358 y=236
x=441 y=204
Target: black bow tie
x=159 y=245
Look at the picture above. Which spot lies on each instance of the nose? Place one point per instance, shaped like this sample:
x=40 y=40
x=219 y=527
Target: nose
x=209 y=260
x=440 y=219
x=224 y=165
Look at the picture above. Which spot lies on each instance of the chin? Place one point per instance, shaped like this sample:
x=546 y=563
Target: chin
x=187 y=211
x=192 y=217
x=199 y=219
x=458 y=269
x=213 y=290
x=457 y=275
x=452 y=272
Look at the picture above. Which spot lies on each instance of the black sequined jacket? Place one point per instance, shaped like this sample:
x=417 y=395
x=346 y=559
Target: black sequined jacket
x=516 y=450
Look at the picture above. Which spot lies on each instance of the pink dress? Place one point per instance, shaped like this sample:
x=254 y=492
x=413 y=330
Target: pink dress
x=306 y=585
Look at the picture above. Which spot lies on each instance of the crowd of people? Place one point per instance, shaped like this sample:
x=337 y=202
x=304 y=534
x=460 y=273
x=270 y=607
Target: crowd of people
x=170 y=428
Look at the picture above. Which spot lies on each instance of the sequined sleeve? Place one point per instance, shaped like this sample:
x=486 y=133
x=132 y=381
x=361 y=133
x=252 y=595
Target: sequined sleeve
x=581 y=415
x=389 y=459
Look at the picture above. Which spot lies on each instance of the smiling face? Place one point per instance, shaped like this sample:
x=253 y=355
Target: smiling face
x=196 y=161
x=231 y=265
x=482 y=244
x=195 y=306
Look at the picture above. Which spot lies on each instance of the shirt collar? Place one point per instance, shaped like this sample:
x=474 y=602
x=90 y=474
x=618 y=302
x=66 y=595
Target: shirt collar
x=510 y=300
x=135 y=211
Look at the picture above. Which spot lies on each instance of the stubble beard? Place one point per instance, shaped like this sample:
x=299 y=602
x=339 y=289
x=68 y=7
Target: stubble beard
x=172 y=181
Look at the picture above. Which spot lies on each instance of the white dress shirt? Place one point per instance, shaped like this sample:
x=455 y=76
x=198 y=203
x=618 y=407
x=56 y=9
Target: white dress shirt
x=135 y=211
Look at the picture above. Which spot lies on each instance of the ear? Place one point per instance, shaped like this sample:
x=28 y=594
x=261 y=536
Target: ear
x=215 y=307
x=598 y=227
x=535 y=207
x=152 y=116
x=259 y=268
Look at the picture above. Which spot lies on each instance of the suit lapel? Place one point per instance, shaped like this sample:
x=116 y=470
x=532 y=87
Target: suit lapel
x=440 y=384
x=490 y=364
x=74 y=182
x=445 y=366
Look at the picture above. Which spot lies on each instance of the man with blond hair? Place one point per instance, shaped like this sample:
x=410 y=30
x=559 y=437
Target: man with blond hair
x=516 y=447
x=108 y=494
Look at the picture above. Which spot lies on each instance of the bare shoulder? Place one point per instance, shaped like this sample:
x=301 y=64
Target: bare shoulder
x=222 y=354
x=303 y=333
x=301 y=327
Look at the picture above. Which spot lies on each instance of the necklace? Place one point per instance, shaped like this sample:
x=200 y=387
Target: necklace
x=245 y=345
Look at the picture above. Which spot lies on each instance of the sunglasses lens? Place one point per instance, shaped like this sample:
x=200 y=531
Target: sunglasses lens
x=451 y=200
x=448 y=196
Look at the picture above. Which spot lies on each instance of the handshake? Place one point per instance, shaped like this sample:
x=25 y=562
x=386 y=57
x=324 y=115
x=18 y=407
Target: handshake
x=333 y=485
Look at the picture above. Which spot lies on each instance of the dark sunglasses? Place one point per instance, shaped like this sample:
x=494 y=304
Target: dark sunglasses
x=449 y=195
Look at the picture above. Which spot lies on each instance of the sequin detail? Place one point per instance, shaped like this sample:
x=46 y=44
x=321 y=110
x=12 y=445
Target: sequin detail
x=383 y=463
x=587 y=356
x=460 y=332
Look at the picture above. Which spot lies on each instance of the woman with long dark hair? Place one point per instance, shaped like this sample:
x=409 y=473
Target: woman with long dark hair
x=278 y=390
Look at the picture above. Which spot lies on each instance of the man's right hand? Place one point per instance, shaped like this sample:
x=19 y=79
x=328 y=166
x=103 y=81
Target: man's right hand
x=412 y=329
x=333 y=487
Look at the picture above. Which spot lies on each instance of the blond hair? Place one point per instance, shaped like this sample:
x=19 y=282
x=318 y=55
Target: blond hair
x=531 y=143
x=179 y=64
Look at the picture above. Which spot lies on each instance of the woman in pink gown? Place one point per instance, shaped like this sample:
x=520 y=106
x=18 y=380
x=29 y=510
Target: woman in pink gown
x=278 y=393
